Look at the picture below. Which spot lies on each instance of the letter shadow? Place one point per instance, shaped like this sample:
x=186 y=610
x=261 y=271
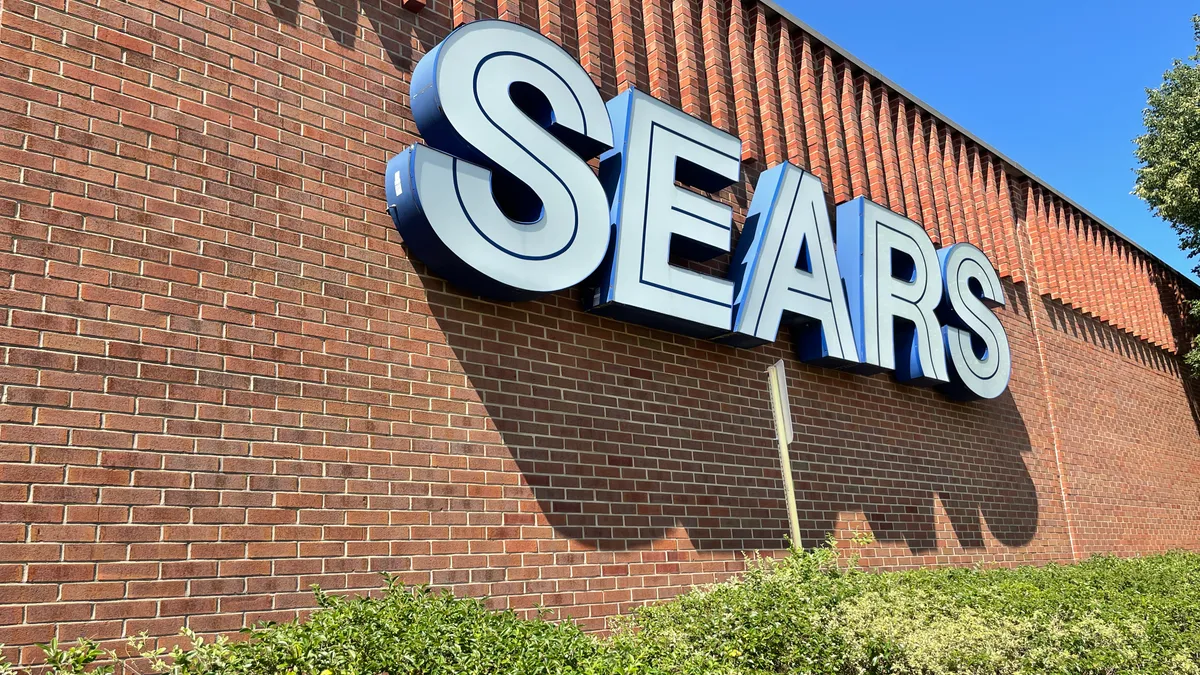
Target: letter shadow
x=891 y=464
x=624 y=435
x=395 y=27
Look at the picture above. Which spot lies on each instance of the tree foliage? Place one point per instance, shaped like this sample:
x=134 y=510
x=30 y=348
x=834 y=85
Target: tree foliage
x=1169 y=152
x=1168 y=177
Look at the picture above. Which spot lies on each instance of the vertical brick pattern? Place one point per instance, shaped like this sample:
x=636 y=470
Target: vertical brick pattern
x=714 y=21
x=741 y=60
x=686 y=14
x=224 y=379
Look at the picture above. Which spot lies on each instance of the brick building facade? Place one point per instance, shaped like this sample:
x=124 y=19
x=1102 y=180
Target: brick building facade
x=225 y=380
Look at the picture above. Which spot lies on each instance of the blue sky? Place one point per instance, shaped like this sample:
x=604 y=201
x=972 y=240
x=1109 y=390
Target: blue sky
x=1058 y=86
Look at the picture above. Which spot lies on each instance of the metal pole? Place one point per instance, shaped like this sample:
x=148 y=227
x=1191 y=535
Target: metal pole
x=780 y=406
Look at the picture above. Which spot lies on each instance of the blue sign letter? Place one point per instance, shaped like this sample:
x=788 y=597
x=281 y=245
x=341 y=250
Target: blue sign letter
x=893 y=288
x=502 y=201
x=657 y=145
x=785 y=269
x=980 y=361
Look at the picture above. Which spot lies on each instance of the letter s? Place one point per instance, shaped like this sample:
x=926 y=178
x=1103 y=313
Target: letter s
x=502 y=201
x=980 y=360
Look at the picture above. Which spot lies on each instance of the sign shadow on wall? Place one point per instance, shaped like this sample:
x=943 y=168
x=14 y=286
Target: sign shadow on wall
x=624 y=437
x=394 y=26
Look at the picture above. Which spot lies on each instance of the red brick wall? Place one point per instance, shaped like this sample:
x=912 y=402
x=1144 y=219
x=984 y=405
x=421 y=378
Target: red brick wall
x=1129 y=432
x=224 y=379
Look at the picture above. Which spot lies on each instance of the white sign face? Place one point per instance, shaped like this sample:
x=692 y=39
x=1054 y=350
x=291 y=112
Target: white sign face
x=658 y=145
x=894 y=287
x=786 y=270
x=502 y=202
x=502 y=199
x=980 y=361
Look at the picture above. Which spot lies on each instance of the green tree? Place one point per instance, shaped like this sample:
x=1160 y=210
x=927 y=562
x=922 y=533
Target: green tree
x=1168 y=177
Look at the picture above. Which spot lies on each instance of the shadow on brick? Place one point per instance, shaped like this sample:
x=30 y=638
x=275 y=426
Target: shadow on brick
x=625 y=435
x=395 y=27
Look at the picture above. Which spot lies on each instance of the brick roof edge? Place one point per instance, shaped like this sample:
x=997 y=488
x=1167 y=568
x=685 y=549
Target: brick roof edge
x=785 y=14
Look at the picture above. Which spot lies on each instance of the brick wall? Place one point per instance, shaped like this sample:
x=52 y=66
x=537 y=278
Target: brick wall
x=224 y=379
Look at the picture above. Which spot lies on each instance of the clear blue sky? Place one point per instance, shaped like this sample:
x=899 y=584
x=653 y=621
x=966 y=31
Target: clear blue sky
x=1056 y=85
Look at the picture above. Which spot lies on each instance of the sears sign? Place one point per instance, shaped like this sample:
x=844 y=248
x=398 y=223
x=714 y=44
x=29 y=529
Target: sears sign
x=500 y=200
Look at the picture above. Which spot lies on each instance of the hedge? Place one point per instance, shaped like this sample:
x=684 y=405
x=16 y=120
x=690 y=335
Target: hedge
x=805 y=613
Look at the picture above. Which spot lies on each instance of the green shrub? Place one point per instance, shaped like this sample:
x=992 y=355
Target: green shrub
x=406 y=631
x=804 y=615
x=1105 y=615
x=774 y=618
x=808 y=613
